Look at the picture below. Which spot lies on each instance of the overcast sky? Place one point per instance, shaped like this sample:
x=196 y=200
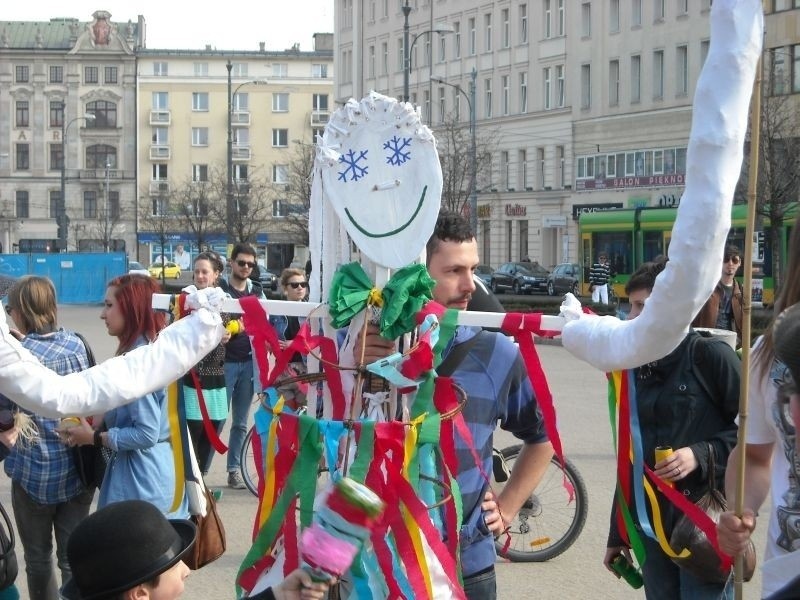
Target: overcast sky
x=176 y=24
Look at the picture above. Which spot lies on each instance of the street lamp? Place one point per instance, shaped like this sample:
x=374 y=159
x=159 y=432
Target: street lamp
x=61 y=210
x=230 y=206
x=106 y=232
x=473 y=157
x=440 y=28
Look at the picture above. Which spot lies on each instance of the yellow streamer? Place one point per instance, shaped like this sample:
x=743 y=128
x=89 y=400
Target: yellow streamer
x=659 y=525
x=412 y=434
x=269 y=464
x=177 y=447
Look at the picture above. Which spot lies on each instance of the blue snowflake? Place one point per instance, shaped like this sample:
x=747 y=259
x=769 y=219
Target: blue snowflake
x=396 y=146
x=355 y=170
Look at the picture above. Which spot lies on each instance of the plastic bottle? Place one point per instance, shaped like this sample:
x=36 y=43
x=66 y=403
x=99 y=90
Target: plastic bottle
x=625 y=569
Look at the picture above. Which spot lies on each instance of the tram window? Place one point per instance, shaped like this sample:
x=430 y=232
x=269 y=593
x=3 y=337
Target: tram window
x=652 y=245
x=619 y=248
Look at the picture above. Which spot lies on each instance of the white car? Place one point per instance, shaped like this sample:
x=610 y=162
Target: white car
x=135 y=268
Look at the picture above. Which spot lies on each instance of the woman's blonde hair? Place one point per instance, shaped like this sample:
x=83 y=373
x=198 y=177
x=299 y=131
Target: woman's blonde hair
x=34 y=299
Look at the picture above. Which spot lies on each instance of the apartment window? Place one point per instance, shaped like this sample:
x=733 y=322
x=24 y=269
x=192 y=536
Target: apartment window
x=160 y=69
x=199 y=172
x=200 y=101
x=548 y=19
x=199 y=136
x=426 y=106
x=505 y=35
x=371 y=62
x=280 y=70
x=779 y=80
x=613 y=83
x=523 y=23
x=22 y=113
x=90 y=75
x=561 y=91
x=487 y=95
x=442 y=48
x=472 y=36
x=110 y=75
x=241 y=137
x=201 y=69
x=160 y=136
x=279 y=208
x=442 y=107
x=319 y=71
x=487 y=28
x=56 y=74
x=56 y=113
x=658 y=74
x=505 y=98
x=401 y=55
x=280 y=102
x=456 y=105
x=56 y=156
x=372 y=10
x=522 y=169
x=22 y=155
x=160 y=100
x=796 y=66
x=113 y=205
x=239 y=69
x=505 y=181
x=241 y=101
x=683 y=7
x=561 y=23
x=53 y=197
x=385 y=8
x=540 y=168
x=384 y=58
x=280 y=138
x=457 y=39
x=546 y=84
x=659 y=9
x=89 y=204
x=160 y=172
x=98 y=156
x=586 y=86
x=613 y=16
x=22 y=74
x=23 y=204
x=636 y=78
x=703 y=52
x=636 y=13
x=586 y=19
x=523 y=93
x=280 y=174
x=427 y=49
x=561 y=177
x=682 y=70
x=240 y=173
x=319 y=102
x=105 y=114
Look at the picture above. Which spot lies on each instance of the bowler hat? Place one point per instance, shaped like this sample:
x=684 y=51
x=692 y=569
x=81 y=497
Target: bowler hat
x=122 y=545
x=786 y=335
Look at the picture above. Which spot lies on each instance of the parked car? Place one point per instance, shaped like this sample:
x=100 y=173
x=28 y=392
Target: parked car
x=564 y=278
x=520 y=278
x=171 y=270
x=268 y=280
x=136 y=268
x=484 y=273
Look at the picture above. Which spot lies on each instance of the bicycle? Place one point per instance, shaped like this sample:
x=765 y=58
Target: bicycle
x=547 y=524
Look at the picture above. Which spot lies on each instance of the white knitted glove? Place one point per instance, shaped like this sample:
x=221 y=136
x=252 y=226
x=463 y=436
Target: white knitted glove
x=571 y=308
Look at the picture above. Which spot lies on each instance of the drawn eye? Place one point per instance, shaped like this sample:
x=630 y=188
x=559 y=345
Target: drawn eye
x=399 y=150
x=354 y=170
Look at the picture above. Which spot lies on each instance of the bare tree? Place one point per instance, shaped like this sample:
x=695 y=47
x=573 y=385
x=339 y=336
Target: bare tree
x=453 y=142
x=102 y=233
x=298 y=192
x=158 y=217
x=778 y=170
x=193 y=204
x=253 y=201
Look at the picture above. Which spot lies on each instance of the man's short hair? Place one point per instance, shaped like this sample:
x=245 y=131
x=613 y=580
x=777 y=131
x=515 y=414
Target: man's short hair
x=242 y=248
x=645 y=276
x=602 y=256
x=450 y=227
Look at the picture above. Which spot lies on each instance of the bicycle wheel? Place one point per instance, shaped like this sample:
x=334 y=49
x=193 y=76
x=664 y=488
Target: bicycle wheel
x=548 y=522
x=247 y=461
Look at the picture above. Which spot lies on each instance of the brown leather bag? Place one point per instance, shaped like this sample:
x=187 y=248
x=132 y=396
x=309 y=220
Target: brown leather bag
x=210 y=542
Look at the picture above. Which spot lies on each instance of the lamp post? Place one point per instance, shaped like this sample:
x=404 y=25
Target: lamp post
x=230 y=205
x=440 y=28
x=473 y=156
x=106 y=232
x=61 y=210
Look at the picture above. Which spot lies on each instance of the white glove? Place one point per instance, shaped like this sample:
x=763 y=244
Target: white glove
x=571 y=308
x=211 y=298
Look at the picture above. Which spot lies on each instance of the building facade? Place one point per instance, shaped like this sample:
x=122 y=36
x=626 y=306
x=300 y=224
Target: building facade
x=589 y=102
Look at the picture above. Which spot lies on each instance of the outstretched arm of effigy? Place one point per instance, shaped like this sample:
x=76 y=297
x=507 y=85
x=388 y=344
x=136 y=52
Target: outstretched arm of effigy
x=114 y=382
x=714 y=159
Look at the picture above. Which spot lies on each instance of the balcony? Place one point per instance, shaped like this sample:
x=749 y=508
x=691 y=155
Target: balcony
x=159 y=152
x=159 y=187
x=320 y=117
x=240 y=118
x=100 y=174
x=240 y=153
x=160 y=117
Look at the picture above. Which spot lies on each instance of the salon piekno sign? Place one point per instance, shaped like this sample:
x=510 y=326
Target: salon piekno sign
x=617 y=183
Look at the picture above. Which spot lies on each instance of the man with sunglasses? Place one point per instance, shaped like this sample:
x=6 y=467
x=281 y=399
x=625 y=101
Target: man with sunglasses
x=239 y=359
x=723 y=310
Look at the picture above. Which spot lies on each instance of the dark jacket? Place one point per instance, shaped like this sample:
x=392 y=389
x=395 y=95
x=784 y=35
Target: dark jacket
x=707 y=317
x=677 y=407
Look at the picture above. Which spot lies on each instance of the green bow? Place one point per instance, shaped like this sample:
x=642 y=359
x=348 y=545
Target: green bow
x=405 y=294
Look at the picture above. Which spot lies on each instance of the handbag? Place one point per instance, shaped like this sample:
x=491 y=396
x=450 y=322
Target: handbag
x=209 y=542
x=703 y=562
x=8 y=556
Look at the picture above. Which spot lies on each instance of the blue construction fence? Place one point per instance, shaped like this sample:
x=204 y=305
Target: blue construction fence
x=79 y=277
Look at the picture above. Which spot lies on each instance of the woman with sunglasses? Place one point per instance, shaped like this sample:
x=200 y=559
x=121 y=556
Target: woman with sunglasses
x=142 y=467
x=295 y=288
x=46 y=491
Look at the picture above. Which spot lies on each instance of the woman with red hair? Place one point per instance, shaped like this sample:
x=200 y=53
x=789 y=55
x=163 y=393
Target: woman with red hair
x=142 y=466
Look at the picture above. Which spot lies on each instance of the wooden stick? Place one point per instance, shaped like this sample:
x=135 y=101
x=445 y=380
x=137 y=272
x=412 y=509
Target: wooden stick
x=752 y=194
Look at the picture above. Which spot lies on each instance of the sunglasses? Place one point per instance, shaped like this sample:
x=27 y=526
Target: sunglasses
x=733 y=259
x=245 y=263
x=298 y=284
